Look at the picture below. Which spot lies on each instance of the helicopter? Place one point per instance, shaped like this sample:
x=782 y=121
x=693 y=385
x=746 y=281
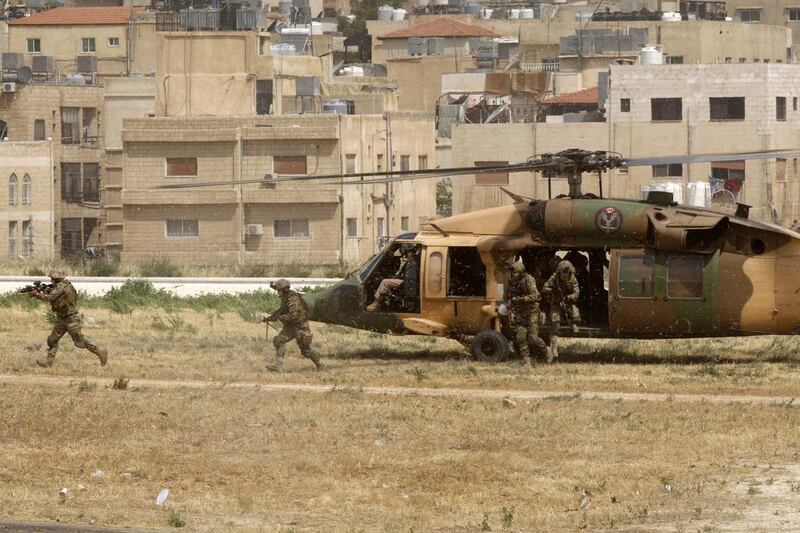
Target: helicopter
x=654 y=268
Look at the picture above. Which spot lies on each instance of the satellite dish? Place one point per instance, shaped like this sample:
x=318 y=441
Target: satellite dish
x=24 y=74
x=162 y=497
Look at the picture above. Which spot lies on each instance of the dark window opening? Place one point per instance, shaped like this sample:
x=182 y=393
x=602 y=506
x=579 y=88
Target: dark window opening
x=91 y=182
x=70 y=125
x=780 y=108
x=673 y=170
x=750 y=15
x=731 y=108
x=466 y=273
x=625 y=105
x=674 y=60
x=263 y=97
x=289 y=164
x=285 y=228
x=76 y=233
x=685 y=277
x=38 y=130
x=179 y=167
x=71 y=182
x=663 y=109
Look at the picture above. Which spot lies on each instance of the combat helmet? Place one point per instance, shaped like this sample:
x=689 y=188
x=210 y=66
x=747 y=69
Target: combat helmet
x=56 y=274
x=516 y=267
x=281 y=285
x=566 y=266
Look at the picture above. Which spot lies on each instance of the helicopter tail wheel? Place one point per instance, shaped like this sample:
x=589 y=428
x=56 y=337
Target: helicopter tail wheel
x=489 y=346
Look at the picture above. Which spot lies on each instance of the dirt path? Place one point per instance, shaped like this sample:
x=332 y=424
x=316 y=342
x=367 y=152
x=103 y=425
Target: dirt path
x=491 y=394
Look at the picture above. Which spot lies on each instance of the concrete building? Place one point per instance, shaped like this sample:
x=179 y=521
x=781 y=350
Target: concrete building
x=660 y=110
x=70 y=115
x=307 y=222
x=27 y=198
x=90 y=40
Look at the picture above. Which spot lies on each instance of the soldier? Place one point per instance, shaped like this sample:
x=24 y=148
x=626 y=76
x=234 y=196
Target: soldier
x=404 y=279
x=63 y=300
x=294 y=315
x=524 y=299
x=562 y=291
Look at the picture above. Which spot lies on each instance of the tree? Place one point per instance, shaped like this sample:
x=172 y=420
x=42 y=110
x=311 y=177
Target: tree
x=368 y=9
x=444 y=197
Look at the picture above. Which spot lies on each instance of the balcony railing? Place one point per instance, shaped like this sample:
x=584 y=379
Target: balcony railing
x=539 y=67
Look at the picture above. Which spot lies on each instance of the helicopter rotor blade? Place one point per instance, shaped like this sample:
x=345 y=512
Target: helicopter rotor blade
x=710 y=158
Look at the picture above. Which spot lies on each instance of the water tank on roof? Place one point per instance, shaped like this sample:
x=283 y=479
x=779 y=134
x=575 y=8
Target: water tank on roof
x=670 y=16
x=351 y=70
x=337 y=107
x=472 y=9
x=399 y=14
x=285 y=7
x=526 y=13
x=514 y=14
x=316 y=28
x=385 y=13
x=651 y=55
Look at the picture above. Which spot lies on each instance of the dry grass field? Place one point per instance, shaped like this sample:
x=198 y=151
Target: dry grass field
x=257 y=460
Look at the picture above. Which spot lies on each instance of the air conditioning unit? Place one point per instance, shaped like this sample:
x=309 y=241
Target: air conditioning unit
x=86 y=64
x=9 y=87
x=43 y=64
x=255 y=229
x=12 y=60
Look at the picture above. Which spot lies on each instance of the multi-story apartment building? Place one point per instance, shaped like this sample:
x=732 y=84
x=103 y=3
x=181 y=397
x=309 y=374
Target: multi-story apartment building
x=308 y=222
x=27 y=198
x=660 y=110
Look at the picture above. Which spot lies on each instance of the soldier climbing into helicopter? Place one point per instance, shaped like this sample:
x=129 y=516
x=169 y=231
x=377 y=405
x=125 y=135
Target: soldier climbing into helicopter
x=524 y=298
x=562 y=291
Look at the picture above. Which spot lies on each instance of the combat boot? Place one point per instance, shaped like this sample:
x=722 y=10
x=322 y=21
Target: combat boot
x=527 y=361
x=102 y=354
x=553 y=349
x=574 y=328
x=374 y=306
x=48 y=362
x=277 y=366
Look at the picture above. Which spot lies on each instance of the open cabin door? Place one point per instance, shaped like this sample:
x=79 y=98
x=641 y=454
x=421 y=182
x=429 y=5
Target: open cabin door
x=662 y=294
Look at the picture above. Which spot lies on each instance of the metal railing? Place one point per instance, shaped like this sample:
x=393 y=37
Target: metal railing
x=539 y=67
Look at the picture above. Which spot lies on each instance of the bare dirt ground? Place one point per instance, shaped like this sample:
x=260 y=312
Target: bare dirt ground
x=401 y=434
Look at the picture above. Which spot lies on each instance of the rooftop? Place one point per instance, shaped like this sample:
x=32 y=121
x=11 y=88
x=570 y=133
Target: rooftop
x=441 y=27
x=584 y=96
x=73 y=16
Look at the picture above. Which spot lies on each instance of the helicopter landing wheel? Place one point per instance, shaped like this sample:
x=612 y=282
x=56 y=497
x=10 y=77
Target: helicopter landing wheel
x=489 y=346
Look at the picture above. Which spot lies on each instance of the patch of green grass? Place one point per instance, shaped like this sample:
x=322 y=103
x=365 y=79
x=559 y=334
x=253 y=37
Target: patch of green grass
x=160 y=267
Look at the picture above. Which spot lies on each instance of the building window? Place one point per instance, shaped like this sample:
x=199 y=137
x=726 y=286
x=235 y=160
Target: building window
x=674 y=170
x=352 y=228
x=742 y=60
x=183 y=228
x=728 y=60
x=727 y=108
x=728 y=170
x=405 y=163
x=794 y=103
x=181 y=167
x=26 y=190
x=27 y=238
x=780 y=108
x=12 y=239
x=38 y=130
x=289 y=164
x=381 y=227
x=379 y=163
x=793 y=14
x=70 y=125
x=34 y=46
x=91 y=182
x=422 y=162
x=113 y=42
x=636 y=276
x=666 y=109
x=674 y=60
x=350 y=164
x=750 y=15
x=403 y=223
x=291 y=228
x=685 y=277
x=12 y=190
x=87 y=45
x=491 y=178
x=263 y=97
x=71 y=182
x=625 y=105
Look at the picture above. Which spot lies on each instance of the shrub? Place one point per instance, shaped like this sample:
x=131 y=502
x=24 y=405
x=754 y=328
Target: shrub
x=160 y=267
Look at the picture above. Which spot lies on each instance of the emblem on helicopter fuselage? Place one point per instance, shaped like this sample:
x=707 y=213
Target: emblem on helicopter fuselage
x=608 y=219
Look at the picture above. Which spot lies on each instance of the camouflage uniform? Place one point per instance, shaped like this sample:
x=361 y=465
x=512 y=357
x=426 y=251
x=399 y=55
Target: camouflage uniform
x=524 y=299
x=558 y=290
x=63 y=300
x=405 y=278
x=293 y=313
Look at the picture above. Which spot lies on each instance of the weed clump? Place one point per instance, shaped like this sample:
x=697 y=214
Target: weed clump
x=160 y=267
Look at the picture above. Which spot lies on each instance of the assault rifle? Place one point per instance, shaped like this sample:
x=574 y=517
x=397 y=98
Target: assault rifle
x=38 y=286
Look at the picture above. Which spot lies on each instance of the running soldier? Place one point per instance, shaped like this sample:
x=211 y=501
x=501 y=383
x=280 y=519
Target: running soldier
x=63 y=299
x=562 y=292
x=293 y=313
x=524 y=299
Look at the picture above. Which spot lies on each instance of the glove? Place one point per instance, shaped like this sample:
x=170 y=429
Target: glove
x=34 y=293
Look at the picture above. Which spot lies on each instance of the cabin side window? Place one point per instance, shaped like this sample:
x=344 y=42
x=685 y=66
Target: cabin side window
x=684 y=277
x=466 y=273
x=636 y=274
x=435 y=273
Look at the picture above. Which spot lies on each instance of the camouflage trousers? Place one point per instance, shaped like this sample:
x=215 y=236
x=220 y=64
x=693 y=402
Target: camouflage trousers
x=70 y=324
x=387 y=288
x=572 y=316
x=302 y=334
x=526 y=334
